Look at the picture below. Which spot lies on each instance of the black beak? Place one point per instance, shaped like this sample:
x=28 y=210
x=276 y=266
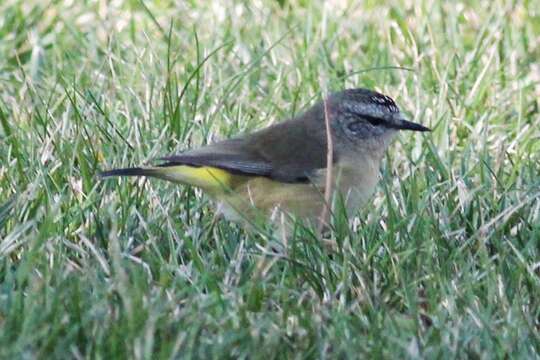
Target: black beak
x=403 y=124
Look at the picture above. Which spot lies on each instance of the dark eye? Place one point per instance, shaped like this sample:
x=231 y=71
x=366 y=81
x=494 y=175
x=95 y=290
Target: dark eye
x=356 y=126
x=375 y=121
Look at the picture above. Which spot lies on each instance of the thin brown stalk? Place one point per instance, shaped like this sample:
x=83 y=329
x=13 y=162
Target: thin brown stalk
x=324 y=220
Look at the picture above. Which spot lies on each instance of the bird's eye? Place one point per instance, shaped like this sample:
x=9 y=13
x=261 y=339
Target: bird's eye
x=375 y=121
x=357 y=126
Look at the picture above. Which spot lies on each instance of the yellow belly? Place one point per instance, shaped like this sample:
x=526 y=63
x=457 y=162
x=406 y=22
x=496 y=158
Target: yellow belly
x=261 y=197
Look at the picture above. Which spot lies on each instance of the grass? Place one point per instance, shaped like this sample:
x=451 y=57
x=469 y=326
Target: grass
x=444 y=262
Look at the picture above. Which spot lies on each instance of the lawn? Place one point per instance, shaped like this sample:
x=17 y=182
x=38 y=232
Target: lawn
x=443 y=262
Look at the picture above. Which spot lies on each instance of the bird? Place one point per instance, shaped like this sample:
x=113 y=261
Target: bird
x=282 y=169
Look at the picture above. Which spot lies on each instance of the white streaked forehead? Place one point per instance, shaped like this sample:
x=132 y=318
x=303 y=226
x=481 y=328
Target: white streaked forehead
x=385 y=101
x=373 y=105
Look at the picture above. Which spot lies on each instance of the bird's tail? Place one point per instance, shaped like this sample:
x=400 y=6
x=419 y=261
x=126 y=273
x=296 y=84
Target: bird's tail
x=135 y=171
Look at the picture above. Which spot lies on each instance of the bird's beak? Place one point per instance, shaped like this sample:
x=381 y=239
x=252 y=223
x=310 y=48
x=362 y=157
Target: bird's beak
x=404 y=124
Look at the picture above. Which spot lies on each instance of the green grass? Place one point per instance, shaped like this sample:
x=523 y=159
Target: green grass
x=444 y=262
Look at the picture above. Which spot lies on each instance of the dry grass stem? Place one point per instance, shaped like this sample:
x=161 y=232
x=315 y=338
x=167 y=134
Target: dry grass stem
x=325 y=213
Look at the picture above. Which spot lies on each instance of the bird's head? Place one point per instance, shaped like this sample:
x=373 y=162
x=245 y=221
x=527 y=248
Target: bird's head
x=366 y=118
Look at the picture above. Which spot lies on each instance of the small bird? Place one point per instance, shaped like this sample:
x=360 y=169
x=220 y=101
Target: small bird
x=283 y=168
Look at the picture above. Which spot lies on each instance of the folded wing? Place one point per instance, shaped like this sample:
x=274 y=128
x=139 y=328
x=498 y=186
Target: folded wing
x=288 y=152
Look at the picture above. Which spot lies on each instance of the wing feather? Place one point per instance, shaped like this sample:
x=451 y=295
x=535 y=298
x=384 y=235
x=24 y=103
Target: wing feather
x=288 y=152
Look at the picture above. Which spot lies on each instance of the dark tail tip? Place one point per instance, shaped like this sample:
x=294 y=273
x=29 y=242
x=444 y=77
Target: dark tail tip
x=126 y=172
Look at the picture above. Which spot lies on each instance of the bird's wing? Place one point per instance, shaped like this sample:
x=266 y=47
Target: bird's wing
x=288 y=152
